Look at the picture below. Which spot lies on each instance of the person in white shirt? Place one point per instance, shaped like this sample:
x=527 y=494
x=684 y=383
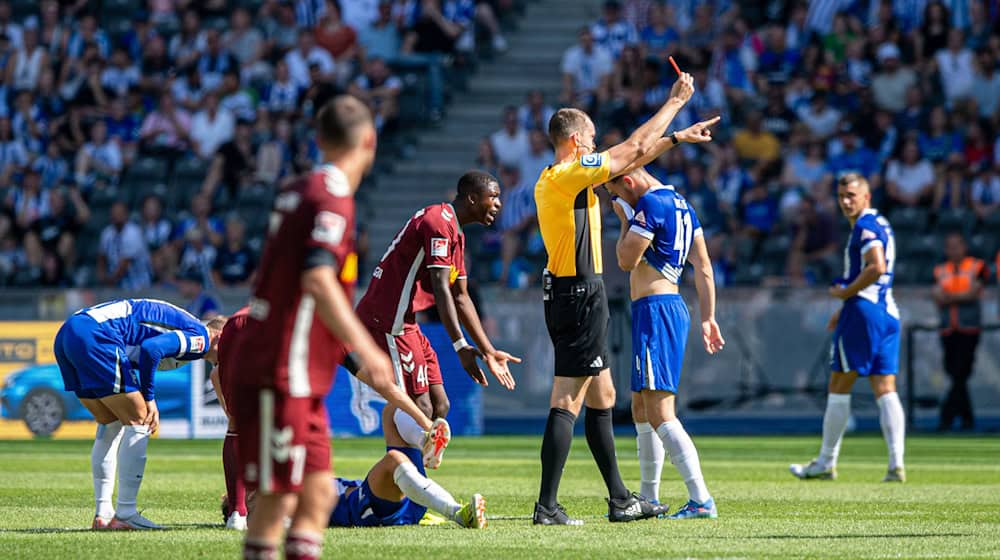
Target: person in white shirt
x=304 y=54
x=955 y=66
x=510 y=143
x=910 y=180
x=235 y=99
x=123 y=260
x=211 y=127
x=821 y=119
x=100 y=160
x=121 y=74
x=586 y=69
x=539 y=157
x=25 y=66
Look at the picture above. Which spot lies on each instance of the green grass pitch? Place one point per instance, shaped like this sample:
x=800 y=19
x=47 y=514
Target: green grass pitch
x=950 y=508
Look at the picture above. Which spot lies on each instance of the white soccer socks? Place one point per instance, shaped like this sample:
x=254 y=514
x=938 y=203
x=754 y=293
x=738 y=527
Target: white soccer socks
x=132 y=464
x=684 y=456
x=425 y=491
x=409 y=430
x=890 y=415
x=838 y=411
x=103 y=462
x=650 y=459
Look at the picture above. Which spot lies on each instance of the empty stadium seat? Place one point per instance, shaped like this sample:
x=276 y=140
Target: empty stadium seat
x=955 y=219
x=909 y=219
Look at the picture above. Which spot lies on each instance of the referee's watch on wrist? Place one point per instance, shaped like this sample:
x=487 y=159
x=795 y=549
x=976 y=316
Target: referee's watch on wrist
x=673 y=139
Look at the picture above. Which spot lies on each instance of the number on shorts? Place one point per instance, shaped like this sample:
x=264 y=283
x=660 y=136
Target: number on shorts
x=298 y=456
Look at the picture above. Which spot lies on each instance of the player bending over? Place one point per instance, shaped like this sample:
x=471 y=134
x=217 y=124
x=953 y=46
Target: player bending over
x=865 y=333
x=235 y=509
x=660 y=233
x=107 y=355
x=427 y=257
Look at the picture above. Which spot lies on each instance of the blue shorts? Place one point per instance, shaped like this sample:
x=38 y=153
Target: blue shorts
x=93 y=363
x=660 y=326
x=866 y=340
x=357 y=506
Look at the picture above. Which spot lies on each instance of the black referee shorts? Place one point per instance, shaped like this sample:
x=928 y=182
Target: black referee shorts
x=576 y=315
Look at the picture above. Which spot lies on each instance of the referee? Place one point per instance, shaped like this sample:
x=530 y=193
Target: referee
x=576 y=306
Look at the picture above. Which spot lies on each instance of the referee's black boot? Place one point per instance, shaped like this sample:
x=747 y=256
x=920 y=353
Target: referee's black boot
x=554 y=516
x=633 y=508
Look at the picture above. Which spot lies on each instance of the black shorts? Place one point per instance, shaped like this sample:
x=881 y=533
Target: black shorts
x=576 y=315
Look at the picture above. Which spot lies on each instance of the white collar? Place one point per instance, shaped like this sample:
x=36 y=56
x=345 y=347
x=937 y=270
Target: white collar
x=658 y=187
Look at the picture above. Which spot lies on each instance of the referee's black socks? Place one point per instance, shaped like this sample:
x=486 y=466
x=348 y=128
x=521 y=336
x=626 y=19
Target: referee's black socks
x=601 y=440
x=555 y=449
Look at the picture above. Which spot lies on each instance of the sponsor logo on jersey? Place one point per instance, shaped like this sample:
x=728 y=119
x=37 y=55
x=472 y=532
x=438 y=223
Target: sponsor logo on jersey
x=640 y=218
x=591 y=160
x=197 y=345
x=329 y=228
x=439 y=247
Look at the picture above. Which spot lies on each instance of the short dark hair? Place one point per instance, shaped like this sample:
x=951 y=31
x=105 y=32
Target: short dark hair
x=850 y=177
x=340 y=121
x=474 y=182
x=564 y=123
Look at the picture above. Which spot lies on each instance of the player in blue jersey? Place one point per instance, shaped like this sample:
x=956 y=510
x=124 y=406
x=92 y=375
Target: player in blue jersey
x=396 y=491
x=865 y=333
x=660 y=233
x=108 y=355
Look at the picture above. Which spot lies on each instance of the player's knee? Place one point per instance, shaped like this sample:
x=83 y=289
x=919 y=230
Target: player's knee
x=638 y=408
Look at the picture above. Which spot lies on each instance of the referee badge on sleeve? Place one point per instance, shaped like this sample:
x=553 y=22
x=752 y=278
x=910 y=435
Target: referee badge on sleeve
x=591 y=160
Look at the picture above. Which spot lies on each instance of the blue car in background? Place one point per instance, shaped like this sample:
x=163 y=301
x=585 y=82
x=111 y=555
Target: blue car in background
x=35 y=394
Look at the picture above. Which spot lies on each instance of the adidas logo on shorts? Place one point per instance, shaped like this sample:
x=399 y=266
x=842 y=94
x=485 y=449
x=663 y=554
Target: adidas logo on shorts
x=598 y=362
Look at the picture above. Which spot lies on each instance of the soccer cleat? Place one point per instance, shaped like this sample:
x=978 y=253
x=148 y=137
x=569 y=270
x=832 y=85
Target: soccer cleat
x=436 y=442
x=100 y=523
x=473 y=514
x=694 y=510
x=137 y=522
x=634 y=508
x=814 y=470
x=555 y=516
x=431 y=519
x=897 y=474
x=237 y=522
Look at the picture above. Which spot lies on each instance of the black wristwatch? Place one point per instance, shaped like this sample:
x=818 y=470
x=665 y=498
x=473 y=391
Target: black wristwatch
x=673 y=138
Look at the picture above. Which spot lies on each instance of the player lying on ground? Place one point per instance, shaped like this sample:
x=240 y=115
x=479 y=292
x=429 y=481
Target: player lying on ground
x=435 y=435
x=865 y=333
x=660 y=232
x=396 y=491
x=107 y=355
x=425 y=266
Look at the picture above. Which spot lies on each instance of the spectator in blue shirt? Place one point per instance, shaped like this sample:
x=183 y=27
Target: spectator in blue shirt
x=854 y=156
x=200 y=303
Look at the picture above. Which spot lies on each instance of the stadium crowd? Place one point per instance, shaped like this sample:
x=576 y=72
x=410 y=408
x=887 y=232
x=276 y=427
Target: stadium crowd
x=906 y=93
x=141 y=140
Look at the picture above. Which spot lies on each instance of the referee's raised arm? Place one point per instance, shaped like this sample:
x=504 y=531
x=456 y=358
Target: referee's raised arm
x=644 y=139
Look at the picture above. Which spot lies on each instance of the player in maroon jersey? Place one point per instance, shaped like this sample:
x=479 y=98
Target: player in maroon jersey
x=428 y=256
x=300 y=323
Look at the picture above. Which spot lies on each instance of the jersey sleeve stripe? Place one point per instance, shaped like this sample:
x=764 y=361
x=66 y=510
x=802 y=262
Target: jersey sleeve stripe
x=871 y=245
x=298 y=351
x=699 y=232
x=641 y=232
x=439 y=266
x=184 y=343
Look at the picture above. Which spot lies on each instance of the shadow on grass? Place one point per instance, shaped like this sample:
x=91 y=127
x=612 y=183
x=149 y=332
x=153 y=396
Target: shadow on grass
x=58 y=530
x=849 y=536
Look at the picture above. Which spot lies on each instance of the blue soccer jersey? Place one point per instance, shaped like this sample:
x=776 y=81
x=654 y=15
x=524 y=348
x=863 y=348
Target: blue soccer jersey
x=668 y=221
x=866 y=338
x=872 y=230
x=96 y=347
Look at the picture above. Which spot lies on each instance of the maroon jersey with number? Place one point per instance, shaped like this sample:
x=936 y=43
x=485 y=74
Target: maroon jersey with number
x=432 y=238
x=286 y=345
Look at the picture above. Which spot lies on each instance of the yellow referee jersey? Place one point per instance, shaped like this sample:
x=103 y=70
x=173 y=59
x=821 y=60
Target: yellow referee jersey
x=569 y=215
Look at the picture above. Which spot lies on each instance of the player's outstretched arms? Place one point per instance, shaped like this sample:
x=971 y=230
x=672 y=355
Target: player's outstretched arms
x=644 y=139
x=497 y=361
x=467 y=354
x=337 y=314
x=704 y=281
